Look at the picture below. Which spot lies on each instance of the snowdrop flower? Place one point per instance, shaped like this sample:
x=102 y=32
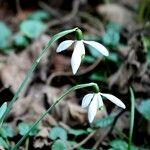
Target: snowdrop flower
x=94 y=102
x=79 y=49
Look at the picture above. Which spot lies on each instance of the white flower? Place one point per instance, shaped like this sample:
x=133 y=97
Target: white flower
x=79 y=51
x=94 y=102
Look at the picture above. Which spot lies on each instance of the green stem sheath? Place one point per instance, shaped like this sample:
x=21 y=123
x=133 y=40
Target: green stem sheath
x=50 y=108
x=131 y=118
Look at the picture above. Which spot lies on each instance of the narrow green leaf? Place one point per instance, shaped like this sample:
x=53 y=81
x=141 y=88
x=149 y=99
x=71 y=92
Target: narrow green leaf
x=3 y=109
x=58 y=132
x=59 y=145
x=132 y=115
x=3 y=143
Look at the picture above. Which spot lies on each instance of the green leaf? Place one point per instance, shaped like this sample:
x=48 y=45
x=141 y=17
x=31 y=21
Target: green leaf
x=118 y=144
x=113 y=57
x=77 y=132
x=5 y=34
x=6 y=131
x=104 y=122
x=89 y=59
x=98 y=77
x=32 y=28
x=58 y=132
x=59 y=145
x=20 y=41
x=3 y=143
x=146 y=41
x=144 y=109
x=3 y=108
x=94 y=52
x=112 y=35
x=24 y=128
x=39 y=15
x=7 y=51
x=91 y=37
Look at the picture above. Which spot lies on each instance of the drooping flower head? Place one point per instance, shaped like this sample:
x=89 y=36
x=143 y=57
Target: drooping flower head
x=79 y=49
x=93 y=102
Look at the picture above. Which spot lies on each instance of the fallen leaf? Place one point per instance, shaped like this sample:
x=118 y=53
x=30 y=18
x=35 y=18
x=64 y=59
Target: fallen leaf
x=118 y=14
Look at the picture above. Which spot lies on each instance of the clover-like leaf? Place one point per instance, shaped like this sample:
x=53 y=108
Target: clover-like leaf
x=5 y=34
x=6 y=131
x=32 y=28
x=144 y=109
x=59 y=145
x=39 y=15
x=104 y=122
x=58 y=132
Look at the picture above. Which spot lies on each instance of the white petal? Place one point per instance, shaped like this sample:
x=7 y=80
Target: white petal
x=76 y=58
x=98 y=46
x=86 y=100
x=114 y=99
x=100 y=101
x=64 y=45
x=93 y=108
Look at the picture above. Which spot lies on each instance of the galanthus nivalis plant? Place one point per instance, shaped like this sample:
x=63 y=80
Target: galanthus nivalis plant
x=94 y=102
x=79 y=49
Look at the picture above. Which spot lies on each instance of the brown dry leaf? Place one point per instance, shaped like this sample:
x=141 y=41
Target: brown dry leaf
x=118 y=14
x=134 y=70
x=77 y=114
x=13 y=71
x=41 y=139
x=33 y=104
x=122 y=123
x=68 y=110
x=2 y=61
x=61 y=63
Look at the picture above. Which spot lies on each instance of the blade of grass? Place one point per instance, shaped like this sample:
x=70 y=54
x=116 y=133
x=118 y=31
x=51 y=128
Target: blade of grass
x=132 y=113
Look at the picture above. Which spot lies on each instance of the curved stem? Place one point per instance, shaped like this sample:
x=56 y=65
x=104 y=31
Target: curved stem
x=131 y=118
x=50 y=108
x=33 y=67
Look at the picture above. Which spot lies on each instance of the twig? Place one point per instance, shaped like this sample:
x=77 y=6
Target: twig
x=18 y=7
x=84 y=71
x=109 y=130
x=101 y=139
x=84 y=140
x=49 y=9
